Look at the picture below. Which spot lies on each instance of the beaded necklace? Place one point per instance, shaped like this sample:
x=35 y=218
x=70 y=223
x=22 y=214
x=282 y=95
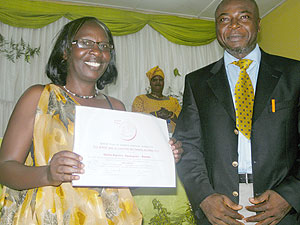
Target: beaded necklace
x=156 y=96
x=81 y=96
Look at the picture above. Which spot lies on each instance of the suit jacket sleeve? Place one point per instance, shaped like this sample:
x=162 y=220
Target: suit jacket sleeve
x=289 y=188
x=192 y=168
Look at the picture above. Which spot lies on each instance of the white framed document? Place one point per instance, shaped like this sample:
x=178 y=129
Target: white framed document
x=122 y=149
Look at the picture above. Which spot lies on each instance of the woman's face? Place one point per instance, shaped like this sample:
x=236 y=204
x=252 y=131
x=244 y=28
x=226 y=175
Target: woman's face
x=157 y=84
x=88 y=64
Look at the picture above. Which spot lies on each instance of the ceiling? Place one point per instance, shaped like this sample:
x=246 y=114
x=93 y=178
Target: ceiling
x=203 y=9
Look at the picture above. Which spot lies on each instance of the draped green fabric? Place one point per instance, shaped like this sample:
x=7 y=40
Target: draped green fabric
x=37 y=14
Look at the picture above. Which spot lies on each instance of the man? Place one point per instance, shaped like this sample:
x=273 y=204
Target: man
x=233 y=151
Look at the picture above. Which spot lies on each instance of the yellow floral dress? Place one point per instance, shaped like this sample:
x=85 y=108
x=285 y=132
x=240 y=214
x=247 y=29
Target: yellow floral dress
x=53 y=132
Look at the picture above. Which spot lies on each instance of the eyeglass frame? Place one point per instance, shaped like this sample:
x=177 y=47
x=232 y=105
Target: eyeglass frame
x=111 y=47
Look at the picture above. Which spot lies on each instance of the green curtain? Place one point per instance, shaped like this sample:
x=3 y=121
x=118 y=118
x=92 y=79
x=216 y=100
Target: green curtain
x=37 y=14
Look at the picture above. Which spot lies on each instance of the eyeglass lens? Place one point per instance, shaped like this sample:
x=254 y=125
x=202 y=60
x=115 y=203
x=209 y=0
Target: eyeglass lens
x=89 y=44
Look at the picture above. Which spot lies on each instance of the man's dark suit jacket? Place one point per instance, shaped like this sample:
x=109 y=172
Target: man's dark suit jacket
x=206 y=127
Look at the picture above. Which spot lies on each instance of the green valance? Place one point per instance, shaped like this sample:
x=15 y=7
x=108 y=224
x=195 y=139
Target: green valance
x=37 y=14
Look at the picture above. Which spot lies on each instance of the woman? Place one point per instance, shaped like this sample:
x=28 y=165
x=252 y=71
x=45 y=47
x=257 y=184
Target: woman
x=155 y=103
x=36 y=160
x=168 y=108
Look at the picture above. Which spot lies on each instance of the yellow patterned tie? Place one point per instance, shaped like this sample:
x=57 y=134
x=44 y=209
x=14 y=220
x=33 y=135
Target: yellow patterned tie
x=244 y=98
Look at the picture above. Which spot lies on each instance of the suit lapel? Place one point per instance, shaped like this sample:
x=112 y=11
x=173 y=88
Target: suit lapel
x=266 y=82
x=220 y=87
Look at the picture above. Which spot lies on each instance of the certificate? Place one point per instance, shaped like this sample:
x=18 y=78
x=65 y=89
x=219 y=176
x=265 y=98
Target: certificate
x=123 y=149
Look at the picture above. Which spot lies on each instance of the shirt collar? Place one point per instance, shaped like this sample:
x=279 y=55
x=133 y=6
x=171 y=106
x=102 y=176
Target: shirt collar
x=254 y=55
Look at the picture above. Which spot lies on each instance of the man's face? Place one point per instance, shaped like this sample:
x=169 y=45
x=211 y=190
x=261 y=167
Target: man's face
x=237 y=25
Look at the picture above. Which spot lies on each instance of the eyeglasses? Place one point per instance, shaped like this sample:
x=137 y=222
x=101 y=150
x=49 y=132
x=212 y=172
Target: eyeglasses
x=89 y=44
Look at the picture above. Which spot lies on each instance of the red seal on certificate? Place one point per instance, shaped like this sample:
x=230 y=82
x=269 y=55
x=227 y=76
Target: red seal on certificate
x=127 y=130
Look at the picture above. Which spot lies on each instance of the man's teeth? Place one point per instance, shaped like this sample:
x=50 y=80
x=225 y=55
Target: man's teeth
x=95 y=64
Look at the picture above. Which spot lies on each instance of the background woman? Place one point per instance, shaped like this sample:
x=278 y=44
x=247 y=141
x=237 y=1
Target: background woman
x=155 y=103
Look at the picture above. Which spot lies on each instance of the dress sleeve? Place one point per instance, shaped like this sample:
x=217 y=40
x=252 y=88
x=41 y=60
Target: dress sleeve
x=138 y=105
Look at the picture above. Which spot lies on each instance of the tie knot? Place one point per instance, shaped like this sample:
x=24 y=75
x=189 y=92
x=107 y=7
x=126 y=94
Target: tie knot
x=243 y=63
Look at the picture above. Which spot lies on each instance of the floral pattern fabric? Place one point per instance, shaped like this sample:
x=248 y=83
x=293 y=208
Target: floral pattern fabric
x=66 y=205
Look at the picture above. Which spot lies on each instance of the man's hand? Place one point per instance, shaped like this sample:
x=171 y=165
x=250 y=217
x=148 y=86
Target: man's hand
x=270 y=206
x=176 y=147
x=219 y=209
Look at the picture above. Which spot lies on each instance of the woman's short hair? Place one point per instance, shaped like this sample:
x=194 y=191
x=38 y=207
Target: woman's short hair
x=57 y=66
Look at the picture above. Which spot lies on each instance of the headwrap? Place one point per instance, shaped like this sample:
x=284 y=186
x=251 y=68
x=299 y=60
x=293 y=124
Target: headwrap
x=155 y=71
